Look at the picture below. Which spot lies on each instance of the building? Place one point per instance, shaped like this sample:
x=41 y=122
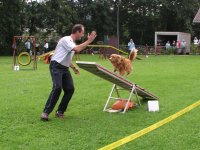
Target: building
x=162 y=38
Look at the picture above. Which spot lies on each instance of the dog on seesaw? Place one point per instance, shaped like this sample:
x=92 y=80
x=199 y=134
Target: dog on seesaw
x=121 y=64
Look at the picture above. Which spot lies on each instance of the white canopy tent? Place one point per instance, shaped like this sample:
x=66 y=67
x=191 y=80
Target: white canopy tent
x=197 y=17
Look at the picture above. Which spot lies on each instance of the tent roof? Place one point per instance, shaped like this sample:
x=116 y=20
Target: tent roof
x=197 y=17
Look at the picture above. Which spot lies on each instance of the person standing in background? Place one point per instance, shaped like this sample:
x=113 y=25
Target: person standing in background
x=183 y=47
x=178 y=47
x=28 y=46
x=174 y=46
x=196 y=44
x=131 y=46
x=196 y=41
x=46 y=47
x=167 y=46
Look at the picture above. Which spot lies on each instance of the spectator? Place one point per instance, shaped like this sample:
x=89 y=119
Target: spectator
x=167 y=46
x=131 y=46
x=196 y=41
x=178 y=47
x=183 y=47
x=46 y=47
x=196 y=44
x=158 y=49
x=28 y=46
x=174 y=46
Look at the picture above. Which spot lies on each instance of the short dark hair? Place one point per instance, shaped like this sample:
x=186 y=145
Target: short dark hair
x=77 y=27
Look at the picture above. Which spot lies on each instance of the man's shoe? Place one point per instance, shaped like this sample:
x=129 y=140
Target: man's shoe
x=59 y=115
x=44 y=116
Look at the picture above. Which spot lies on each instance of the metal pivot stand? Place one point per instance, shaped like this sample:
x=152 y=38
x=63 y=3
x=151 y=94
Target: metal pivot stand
x=116 y=89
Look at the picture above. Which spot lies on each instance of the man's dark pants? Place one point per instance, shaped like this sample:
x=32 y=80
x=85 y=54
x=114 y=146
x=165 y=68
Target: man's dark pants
x=62 y=79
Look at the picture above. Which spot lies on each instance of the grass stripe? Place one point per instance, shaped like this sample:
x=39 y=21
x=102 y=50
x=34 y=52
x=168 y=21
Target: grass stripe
x=150 y=128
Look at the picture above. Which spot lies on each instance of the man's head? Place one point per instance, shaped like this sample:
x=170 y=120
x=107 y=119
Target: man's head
x=78 y=31
x=131 y=40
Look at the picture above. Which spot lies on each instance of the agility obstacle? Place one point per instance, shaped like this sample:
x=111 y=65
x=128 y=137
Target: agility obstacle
x=25 y=54
x=97 y=46
x=45 y=54
x=108 y=46
x=112 y=47
x=119 y=83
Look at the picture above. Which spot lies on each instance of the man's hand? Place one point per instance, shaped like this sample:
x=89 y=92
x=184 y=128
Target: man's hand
x=90 y=39
x=76 y=70
x=92 y=36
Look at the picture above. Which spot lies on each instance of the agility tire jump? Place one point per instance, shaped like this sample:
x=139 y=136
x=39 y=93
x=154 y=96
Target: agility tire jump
x=19 y=58
x=118 y=81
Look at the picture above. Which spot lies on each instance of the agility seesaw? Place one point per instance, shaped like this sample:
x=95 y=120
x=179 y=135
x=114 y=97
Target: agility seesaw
x=118 y=81
x=112 y=47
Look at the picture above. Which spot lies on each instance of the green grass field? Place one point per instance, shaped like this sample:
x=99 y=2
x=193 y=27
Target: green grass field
x=23 y=94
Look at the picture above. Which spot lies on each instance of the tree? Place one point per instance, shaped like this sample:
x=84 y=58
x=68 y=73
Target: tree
x=10 y=23
x=139 y=19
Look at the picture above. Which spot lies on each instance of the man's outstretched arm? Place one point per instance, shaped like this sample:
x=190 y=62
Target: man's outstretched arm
x=82 y=46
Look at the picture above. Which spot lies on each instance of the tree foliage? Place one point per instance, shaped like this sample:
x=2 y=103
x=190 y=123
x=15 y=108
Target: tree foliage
x=139 y=19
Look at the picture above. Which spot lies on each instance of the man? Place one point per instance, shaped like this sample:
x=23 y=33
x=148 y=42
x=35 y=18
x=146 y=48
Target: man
x=167 y=46
x=59 y=69
x=131 y=46
x=196 y=44
x=174 y=47
x=196 y=41
x=178 y=47
x=46 y=47
x=183 y=47
x=28 y=46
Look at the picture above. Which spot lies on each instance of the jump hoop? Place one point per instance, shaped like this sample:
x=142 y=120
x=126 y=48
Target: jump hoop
x=26 y=60
x=28 y=57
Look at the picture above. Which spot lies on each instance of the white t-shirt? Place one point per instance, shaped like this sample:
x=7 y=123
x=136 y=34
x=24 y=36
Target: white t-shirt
x=196 y=41
x=131 y=45
x=46 y=45
x=63 y=53
x=28 y=45
x=167 y=45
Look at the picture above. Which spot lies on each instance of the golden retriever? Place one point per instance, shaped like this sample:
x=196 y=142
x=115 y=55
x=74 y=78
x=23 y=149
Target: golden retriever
x=121 y=64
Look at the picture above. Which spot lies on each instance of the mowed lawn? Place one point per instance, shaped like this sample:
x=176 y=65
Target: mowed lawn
x=23 y=94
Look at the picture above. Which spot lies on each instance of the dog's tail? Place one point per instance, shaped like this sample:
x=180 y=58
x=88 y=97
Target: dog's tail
x=133 y=54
